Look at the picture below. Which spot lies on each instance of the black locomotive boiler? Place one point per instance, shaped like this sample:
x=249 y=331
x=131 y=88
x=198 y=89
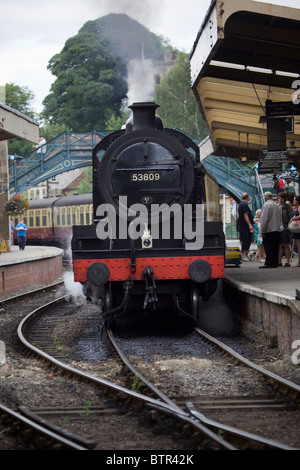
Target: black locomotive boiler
x=157 y=241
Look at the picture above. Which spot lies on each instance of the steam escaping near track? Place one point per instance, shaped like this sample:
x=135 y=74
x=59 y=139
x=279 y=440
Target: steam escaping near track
x=74 y=289
x=216 y=318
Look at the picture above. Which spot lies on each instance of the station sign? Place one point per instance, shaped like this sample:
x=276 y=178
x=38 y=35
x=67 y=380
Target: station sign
x=275 y=155
x=281 y=108
x=269 y=166
x=271 y=161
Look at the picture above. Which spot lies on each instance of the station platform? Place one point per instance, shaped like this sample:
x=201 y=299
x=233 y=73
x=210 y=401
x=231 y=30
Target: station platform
x=271 y=283
x=280 y=282
x=268 y=299
x=34 y=265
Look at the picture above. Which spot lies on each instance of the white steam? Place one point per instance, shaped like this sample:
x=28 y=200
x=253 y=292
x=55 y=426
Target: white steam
x=141 y=81
x=73 y=289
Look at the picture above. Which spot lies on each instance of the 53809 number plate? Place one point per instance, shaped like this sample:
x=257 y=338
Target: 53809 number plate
x=145 y=177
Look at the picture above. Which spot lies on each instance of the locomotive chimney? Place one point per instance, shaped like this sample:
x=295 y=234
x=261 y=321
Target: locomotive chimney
x=144 y=115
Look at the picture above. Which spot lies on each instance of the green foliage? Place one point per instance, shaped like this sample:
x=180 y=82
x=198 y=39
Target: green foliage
x=115 y=123
x=91 y=72
x=50 y=131
x=127 y=39
x=19 y=98
x=178 y=106
x=86 y=184
x=87 y=86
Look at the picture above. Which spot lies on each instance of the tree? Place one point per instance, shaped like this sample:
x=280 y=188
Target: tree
x=19 y=98
x=178 y=106
x=88 y=88
x=91 y=71
x=86 y=184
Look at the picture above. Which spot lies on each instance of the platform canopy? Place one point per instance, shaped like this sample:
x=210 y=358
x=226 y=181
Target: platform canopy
x=15 y=124
x=246 y=53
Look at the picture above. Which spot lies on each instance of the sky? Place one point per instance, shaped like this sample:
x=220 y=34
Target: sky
x=33 y=31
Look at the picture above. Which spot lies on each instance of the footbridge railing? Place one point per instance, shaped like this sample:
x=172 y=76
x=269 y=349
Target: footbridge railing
x=65 y=152
x=237 y=178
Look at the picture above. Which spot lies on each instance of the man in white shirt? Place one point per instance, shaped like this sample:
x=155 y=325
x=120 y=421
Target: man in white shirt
x=270 y=227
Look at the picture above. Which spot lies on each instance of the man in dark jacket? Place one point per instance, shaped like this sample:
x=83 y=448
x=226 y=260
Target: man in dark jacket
x=245 y=225
x=270 y=224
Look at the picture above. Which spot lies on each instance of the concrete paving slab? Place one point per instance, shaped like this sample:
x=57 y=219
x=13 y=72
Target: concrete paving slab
x=31 y=253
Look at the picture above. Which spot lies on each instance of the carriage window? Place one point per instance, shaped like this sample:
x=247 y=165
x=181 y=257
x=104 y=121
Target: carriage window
x=44 y=218
x=68 y=219
x=87 y=218
x=31 y=221
x=63 y=216
x=37 y=218
x=81 y=219
x=73 y=215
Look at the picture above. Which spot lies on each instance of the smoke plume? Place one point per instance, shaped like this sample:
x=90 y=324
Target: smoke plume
x=140 y=71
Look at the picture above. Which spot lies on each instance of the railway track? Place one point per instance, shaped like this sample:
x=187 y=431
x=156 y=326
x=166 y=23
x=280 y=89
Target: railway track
x=238 y=438
x=153 y=407
x=152 y=403
x=285 y=387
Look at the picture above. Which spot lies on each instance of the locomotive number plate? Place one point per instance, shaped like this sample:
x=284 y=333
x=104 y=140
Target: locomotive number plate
x=145 y=176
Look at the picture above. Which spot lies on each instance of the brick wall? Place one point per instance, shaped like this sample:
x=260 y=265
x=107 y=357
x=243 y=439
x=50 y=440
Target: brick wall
x=279 y=323
x=16 y=276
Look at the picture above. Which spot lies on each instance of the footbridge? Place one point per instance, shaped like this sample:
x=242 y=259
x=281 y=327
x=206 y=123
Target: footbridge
x=67 y=151
x=236 y=178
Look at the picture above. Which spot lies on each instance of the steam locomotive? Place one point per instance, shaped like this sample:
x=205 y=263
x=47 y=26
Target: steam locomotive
x=157 y=241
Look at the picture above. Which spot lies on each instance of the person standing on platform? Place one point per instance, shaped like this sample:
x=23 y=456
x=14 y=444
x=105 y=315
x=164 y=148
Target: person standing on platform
x=296 y=216
x=270 y=227
x=285 y=234
x=258 y=238
x=21 y=234
x=245 y=225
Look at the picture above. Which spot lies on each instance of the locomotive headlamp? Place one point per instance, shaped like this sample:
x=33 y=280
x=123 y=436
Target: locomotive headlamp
x=98 y=274
x=200 y=271
x=146 y=238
